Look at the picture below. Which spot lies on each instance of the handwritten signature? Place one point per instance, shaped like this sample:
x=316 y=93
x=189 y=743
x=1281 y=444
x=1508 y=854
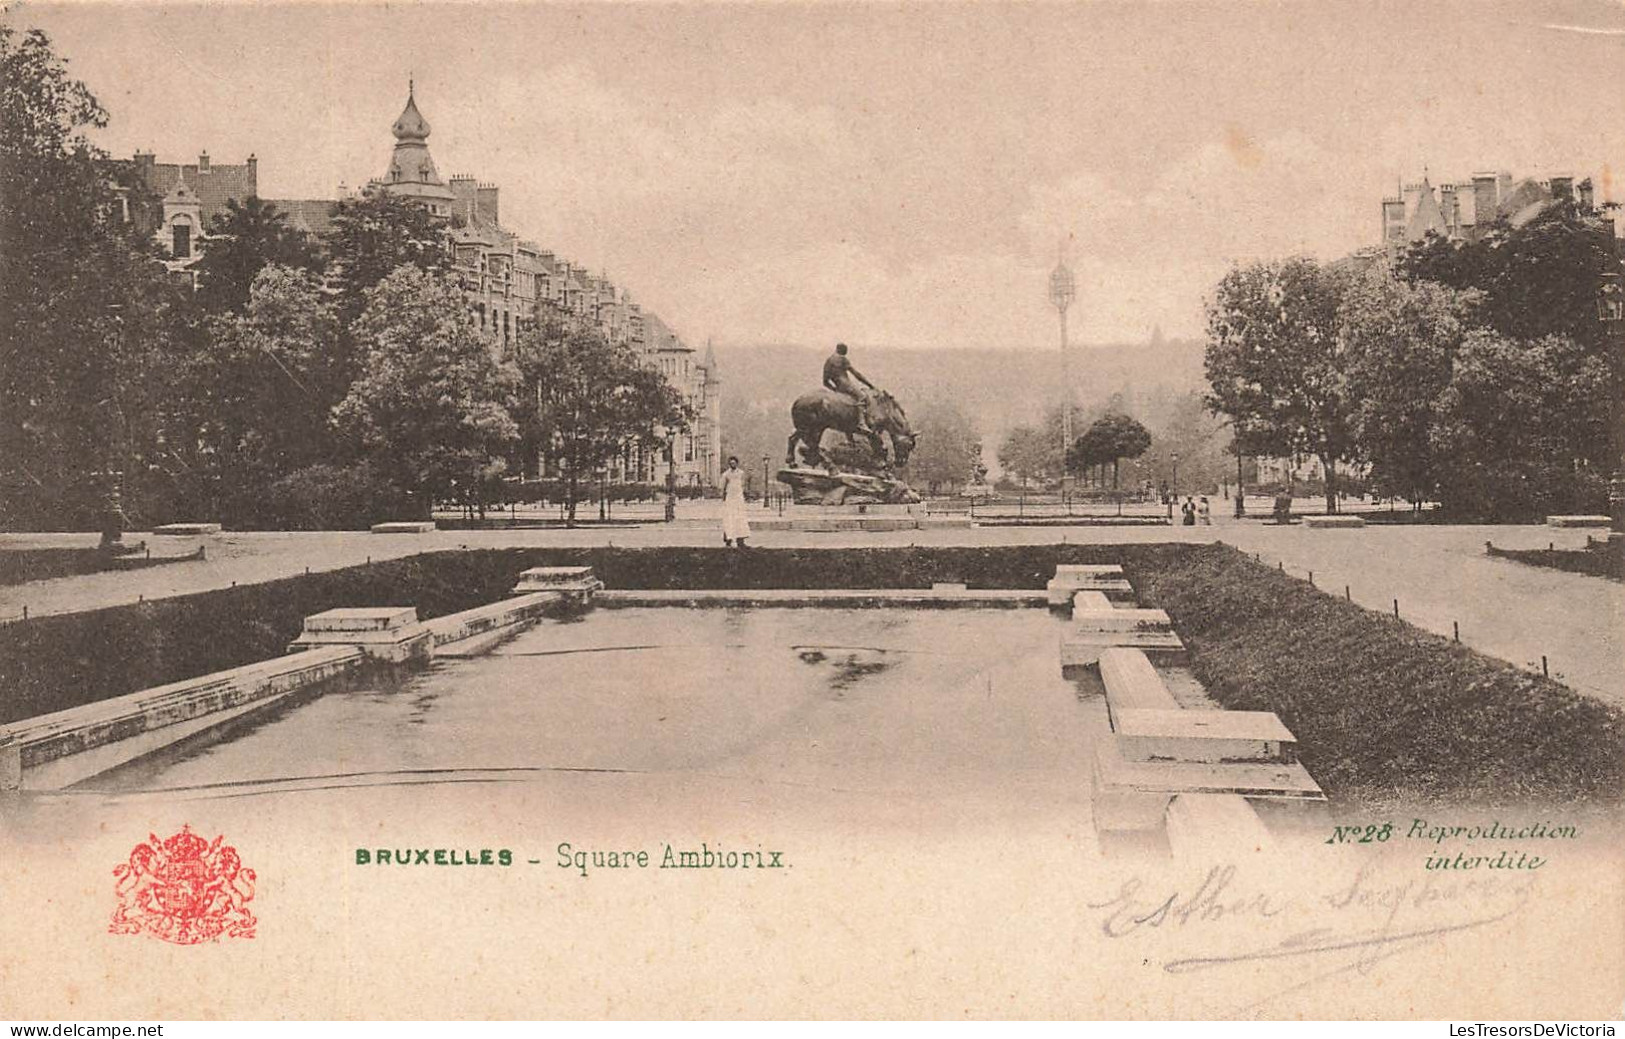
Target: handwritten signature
x=1350 y=928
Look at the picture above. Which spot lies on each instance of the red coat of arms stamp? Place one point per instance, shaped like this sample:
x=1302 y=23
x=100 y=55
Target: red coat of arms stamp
x=184 y=890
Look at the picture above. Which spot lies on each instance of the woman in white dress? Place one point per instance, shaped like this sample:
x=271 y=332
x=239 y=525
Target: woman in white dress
x=735 y=520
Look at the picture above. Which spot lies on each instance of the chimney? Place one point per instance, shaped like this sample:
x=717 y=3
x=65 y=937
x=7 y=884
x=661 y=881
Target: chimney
x=488 y=202
x=1486 y=198
x=203 y=163
x=1588 y=199
x=253 y=174
x=1562 y=187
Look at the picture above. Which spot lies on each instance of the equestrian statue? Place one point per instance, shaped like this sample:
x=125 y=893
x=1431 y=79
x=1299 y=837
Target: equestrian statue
x=848 y=403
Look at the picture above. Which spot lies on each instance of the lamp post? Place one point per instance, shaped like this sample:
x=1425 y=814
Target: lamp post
x=1174 y=483
x=669 y=435
x=1241 y=508
x=1063 y=289
x=767 y=499
x=112 y=533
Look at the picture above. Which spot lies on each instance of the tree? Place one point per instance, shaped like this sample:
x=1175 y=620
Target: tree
x=1524 y=428
x=90 y=321
x=432 y=407
x=1541 y=277
x=258 y=399
x=375 y=234
x=588 y=400
x=1026 y=452
x=948 y=445
x=1111 y=438
x=245 y=239
x=1400 y=342
x=1275 y=363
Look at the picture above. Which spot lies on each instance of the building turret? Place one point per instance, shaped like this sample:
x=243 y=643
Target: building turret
x=412 y=171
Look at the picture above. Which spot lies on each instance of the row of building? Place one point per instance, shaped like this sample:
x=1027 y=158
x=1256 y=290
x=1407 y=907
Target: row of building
x=1467 y=209
x=510 y=282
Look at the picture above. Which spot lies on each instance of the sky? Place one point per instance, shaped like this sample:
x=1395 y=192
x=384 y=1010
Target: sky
x=903 y=175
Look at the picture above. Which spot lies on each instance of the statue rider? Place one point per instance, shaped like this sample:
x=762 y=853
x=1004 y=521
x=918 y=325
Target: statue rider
x=841 y=377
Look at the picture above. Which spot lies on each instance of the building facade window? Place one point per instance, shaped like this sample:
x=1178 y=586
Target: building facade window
x=181 y=246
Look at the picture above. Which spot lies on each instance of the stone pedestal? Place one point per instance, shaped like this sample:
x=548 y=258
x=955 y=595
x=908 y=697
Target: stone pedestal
x=391 y=634
x=822 y=487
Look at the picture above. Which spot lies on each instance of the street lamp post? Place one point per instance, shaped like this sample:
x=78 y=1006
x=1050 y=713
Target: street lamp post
x=1241 y=508
x=669 y=435
x=767 y=499
x=1174 y=485
x=1063 y=289
x=112 y=532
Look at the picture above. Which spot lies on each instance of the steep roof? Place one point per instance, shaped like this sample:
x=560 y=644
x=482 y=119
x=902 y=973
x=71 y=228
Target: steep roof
x=213 y=187
x=1428 y=215
x=310 y=215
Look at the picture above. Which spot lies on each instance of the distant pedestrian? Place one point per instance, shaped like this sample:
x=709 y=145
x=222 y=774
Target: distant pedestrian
x=735 y=518
x=1188 y=511
x=1204 y=512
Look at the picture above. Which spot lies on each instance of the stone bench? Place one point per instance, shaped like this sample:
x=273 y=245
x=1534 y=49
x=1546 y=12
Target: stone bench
x=1213 y=737
x=56 y=750
x=1333 y=522
x=1578 y=521
x=1132 y=683
x=187 y=528
x=404 y=527
x=1134 y=795
x=1214 y=826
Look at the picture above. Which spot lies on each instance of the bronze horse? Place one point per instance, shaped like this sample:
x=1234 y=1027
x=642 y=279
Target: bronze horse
x=813 y=413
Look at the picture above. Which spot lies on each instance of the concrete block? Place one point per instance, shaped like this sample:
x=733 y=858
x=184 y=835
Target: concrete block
x=1214 y=825
x=390 y=634
x=456 y=634
x=56 y=750
x=1132 y=683
x=1083 y=648
x=1132 y=619
x=1086 y=571
x=362 y=618
x=187 y=528
x=1119 y=775
x=1159 y=734
x=1115 y=588
x=1578 y=521
x=1332 y=522
x=404 y=527
x=1086 y=601
x=11 y=766
x=577 y=581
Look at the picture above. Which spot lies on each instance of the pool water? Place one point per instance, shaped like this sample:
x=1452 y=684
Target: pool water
x=925 y=704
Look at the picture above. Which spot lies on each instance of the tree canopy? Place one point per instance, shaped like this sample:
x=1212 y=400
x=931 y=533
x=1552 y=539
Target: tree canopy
x=246 y=238
x=431 y=407
x=589 y=401
x=1274 y=359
